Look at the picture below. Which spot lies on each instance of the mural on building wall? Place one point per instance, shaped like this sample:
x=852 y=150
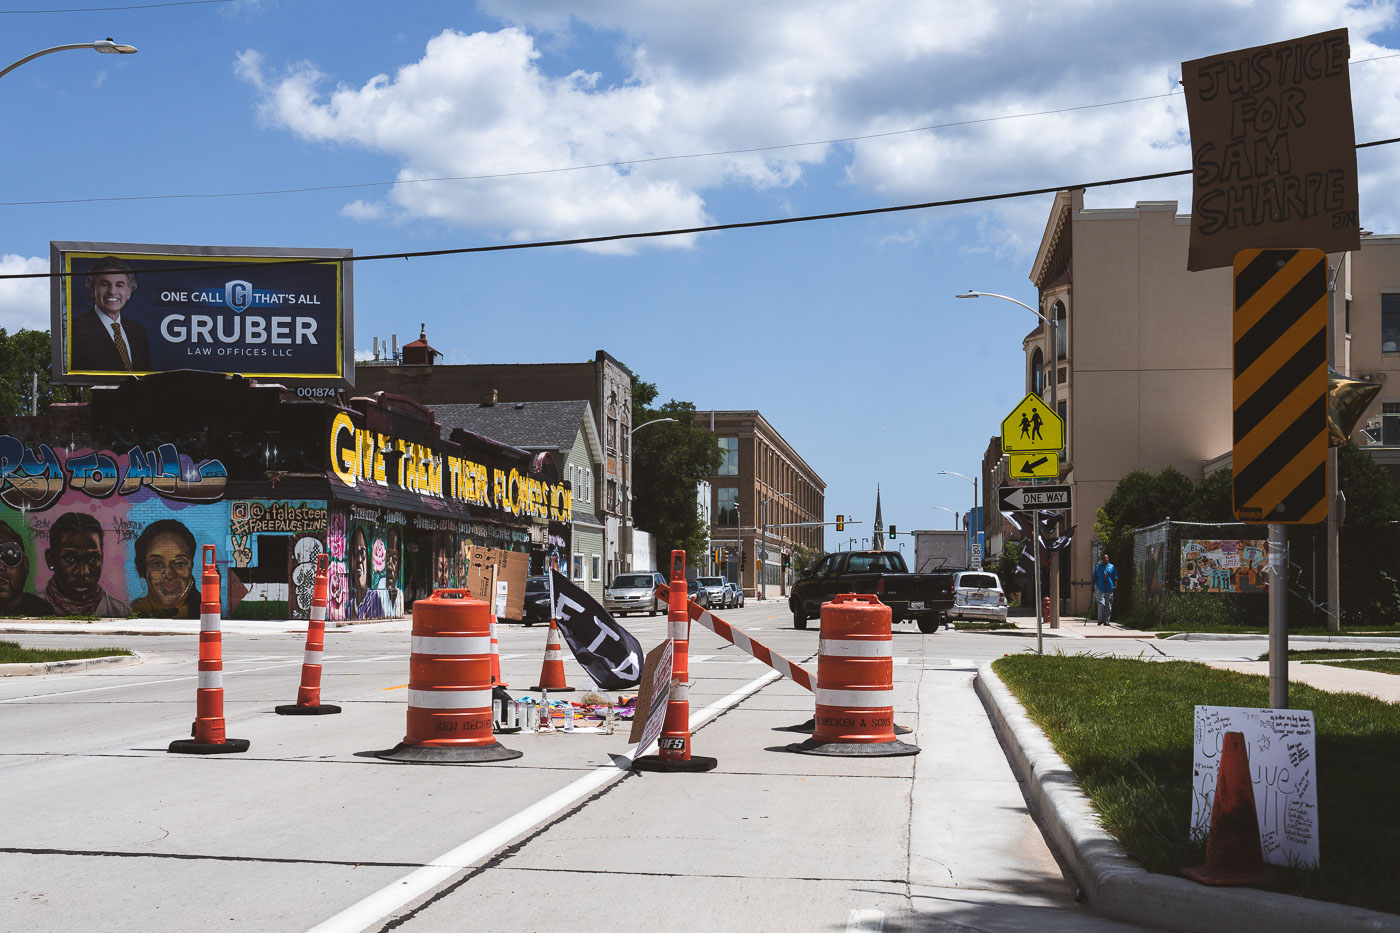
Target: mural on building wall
x=96 y=533
x=366 y=570
x=274 y=544
x=1223 y=566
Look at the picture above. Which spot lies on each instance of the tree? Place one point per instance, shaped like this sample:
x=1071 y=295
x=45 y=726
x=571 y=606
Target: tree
x=1213 y=500
x=1370 y=540
x=22 y=354
x=668 y=461
x=1139 y=499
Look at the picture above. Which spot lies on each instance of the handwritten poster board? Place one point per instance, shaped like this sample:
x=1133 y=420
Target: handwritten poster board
x=1273 y=149
x=1282 y=764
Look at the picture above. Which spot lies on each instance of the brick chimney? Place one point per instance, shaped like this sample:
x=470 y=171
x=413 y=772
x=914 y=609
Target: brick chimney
x=491 y=398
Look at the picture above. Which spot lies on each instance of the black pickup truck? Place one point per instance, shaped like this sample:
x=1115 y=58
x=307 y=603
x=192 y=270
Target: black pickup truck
x=922 y=597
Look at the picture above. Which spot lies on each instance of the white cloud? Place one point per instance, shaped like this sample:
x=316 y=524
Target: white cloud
x=24 y=303
x=695 y=76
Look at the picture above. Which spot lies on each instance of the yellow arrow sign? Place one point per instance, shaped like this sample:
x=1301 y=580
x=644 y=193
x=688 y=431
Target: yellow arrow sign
x=1035 y=466
x=1032 y=426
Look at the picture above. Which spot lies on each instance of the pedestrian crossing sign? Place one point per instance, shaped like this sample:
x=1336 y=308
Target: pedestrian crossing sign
x=1032 y=426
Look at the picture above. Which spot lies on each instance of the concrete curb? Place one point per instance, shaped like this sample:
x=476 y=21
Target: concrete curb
x=1116 y=886
x=1322 y=639
x=65 y=667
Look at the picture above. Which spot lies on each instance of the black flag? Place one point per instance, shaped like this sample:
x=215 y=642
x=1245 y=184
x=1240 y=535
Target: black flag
x=607 y=651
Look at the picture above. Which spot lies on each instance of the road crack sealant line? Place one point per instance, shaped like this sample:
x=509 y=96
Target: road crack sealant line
x=197 y=857
x=570 y=799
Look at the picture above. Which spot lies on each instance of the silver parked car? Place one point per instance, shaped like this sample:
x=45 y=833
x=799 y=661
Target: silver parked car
x=634 y=592
x=710 y=592
x=977 y=595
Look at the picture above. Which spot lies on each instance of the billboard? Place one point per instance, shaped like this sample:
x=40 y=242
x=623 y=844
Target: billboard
x=278 y=315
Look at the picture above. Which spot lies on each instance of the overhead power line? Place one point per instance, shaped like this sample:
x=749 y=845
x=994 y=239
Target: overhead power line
x=684 y=231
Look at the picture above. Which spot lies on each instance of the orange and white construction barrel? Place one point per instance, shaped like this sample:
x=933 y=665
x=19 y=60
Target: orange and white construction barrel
x=449 y=684
x=208 y=729
x=855 y=681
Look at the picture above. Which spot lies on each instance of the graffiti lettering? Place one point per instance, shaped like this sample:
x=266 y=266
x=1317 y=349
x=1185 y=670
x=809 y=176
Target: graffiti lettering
x=127 y=530
x=32 y=478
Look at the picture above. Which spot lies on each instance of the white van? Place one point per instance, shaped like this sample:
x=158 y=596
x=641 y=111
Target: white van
x=977 y=596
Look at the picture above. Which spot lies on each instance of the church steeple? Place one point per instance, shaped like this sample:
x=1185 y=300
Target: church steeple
x=879 y=540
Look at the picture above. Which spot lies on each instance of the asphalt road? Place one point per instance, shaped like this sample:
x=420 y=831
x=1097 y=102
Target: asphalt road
x=106 y=830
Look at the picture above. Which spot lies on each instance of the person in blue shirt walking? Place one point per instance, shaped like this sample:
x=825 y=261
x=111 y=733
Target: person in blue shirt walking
x=1105 y=582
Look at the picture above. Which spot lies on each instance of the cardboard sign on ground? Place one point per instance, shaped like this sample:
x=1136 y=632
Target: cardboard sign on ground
x=1273 y=149
x=655 y=693
x=1283 y=764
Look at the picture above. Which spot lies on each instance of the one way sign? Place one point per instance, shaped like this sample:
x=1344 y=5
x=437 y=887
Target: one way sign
x=1025 y=498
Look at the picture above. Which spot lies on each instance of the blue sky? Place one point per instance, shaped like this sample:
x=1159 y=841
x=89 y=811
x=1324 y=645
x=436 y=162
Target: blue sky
x=845 y=334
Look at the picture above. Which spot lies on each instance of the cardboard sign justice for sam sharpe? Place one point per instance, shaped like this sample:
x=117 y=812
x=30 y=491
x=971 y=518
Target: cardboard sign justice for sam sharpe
x=1273 y=150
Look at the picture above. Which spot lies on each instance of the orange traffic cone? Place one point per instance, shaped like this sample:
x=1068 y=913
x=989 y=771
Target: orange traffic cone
x=552 y=673
x=1234 y=856
x=675 y=731
x=208 y=728
x=496 y=656
x=309 y=694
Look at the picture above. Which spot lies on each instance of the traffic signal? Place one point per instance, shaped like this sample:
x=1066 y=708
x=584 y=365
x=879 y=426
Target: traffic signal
x=840 y=523
x=892 y=531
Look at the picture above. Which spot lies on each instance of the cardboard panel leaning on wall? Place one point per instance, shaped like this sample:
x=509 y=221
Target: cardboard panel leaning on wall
x=512 y=568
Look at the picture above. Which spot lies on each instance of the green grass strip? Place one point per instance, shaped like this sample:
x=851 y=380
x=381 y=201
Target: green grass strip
x=1381 y=665
x=1125 y=726
x=1329 y=654
x=12 y=653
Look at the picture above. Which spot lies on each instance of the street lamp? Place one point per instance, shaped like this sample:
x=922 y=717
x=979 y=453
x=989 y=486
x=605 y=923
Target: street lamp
x=101 y=45
x=950 y=512
x=975 y=531
x=627 y=493
x=759 y=585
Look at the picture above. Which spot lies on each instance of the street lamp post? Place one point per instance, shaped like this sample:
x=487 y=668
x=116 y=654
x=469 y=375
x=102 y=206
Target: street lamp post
x=951 y=512
x=977 y=564
x=759 y=585
x=1052 y=329
x=627 y=493
x=101 y=45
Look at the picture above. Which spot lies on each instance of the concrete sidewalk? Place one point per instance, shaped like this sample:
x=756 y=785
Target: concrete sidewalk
x=1326 y=677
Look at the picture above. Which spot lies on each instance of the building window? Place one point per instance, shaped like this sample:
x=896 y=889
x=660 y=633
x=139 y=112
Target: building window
x=728 y=508
x=578 y=566
x=1390 y=323
x=1061 y=331
x=1390 y=424
x=729 y=454
x=597 y=567
x=1038 y=373
x=612 y=494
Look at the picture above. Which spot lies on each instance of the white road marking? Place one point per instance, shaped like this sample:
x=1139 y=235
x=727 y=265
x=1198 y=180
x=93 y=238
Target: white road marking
x=142 y=683
x=420 y=881
x=865 y=921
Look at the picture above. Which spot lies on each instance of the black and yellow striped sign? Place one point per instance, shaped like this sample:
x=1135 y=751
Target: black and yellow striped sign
x=1280 y=387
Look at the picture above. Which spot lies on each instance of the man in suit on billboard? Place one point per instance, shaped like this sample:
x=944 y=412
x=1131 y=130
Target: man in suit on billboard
x=103 y=339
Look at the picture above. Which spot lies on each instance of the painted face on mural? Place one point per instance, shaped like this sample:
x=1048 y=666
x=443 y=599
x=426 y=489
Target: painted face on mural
x=359 y=560
x=14 y=567
x=169 y=570
x=76 y=561
x=391 y=559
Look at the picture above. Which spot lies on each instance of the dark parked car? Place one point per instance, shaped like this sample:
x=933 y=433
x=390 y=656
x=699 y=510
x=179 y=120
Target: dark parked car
x=710 y=592
x=736 y=595
x=536 y=600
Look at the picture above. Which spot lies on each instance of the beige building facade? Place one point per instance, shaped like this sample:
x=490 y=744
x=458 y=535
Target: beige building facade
x=1143 y=371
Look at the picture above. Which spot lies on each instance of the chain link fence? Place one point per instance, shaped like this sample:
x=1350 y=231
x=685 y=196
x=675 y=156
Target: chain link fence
x=1193 y=572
